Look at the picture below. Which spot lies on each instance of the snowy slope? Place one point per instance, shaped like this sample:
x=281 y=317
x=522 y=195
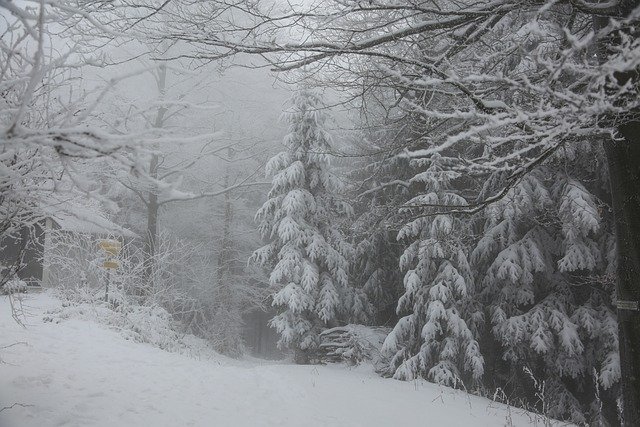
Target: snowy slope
x=79 y=373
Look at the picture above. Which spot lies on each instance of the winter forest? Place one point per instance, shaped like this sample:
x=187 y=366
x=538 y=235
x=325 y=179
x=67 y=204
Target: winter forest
x=319 y=212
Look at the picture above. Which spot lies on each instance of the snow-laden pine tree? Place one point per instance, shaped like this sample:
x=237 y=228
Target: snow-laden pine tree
x=545 y=263
x=306 y=253
x=434 y=339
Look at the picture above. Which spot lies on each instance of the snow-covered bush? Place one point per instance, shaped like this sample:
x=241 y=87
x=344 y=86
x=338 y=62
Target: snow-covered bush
x=75 y=264
x=150 y=324
x=13 y=286
x=144 y=324
x=74 y=261
x=181 y=300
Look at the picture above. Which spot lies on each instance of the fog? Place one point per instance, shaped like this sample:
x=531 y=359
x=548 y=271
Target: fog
x=320 y=212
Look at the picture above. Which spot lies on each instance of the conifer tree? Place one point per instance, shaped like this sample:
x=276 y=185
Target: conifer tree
x=434 y=339
x=543 y=264
x=306 y=254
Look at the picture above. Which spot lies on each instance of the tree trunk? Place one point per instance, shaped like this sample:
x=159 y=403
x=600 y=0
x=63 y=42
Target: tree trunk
x=152 y=203
x=151 y=236
x=623 y=157
x=224 y=256
x=226 y=318
x=624 y=172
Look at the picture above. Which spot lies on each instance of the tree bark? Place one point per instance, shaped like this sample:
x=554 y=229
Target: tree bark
x=151 y=236
x=623 y=158
x=224 y=256
x=624 y=171
x=152 y=202
x=226 y=310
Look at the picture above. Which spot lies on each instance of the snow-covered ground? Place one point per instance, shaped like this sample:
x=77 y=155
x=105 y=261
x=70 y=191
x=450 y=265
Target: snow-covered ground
x=81 y=373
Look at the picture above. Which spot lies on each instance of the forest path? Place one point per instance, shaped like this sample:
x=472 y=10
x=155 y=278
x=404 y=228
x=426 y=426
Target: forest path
x=80 y=373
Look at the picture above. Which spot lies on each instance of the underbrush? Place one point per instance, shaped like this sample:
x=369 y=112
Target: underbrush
x=13 y=286
x=149 y=324
x=162 y=309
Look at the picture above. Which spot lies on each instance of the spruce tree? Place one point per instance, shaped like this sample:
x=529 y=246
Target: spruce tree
x=434 y=338
x=545 y=263
x=306 y=253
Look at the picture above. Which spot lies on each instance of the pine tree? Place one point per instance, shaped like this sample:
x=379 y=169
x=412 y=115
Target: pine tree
x=435 y=340
x=543 y=263
x=306 y=253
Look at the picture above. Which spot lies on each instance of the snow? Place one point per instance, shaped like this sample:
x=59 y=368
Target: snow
x=81 y=373
x=81 y=216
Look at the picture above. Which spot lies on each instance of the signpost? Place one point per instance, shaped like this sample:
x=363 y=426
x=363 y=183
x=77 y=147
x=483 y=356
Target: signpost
x=112 y=248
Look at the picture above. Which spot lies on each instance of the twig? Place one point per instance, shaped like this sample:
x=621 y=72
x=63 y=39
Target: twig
x=15 y=343
x=22 y=405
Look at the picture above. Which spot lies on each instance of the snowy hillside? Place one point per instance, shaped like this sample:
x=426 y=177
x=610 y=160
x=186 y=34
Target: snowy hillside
x=79 y=373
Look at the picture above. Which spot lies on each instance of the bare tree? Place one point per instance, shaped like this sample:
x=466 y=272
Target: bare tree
x=45 y=114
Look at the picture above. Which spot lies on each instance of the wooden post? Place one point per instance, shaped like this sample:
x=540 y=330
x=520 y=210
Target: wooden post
x=106 y=288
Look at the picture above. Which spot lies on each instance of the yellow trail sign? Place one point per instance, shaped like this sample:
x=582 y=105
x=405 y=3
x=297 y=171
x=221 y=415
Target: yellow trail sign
x=112 y=263
x=112 y=247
